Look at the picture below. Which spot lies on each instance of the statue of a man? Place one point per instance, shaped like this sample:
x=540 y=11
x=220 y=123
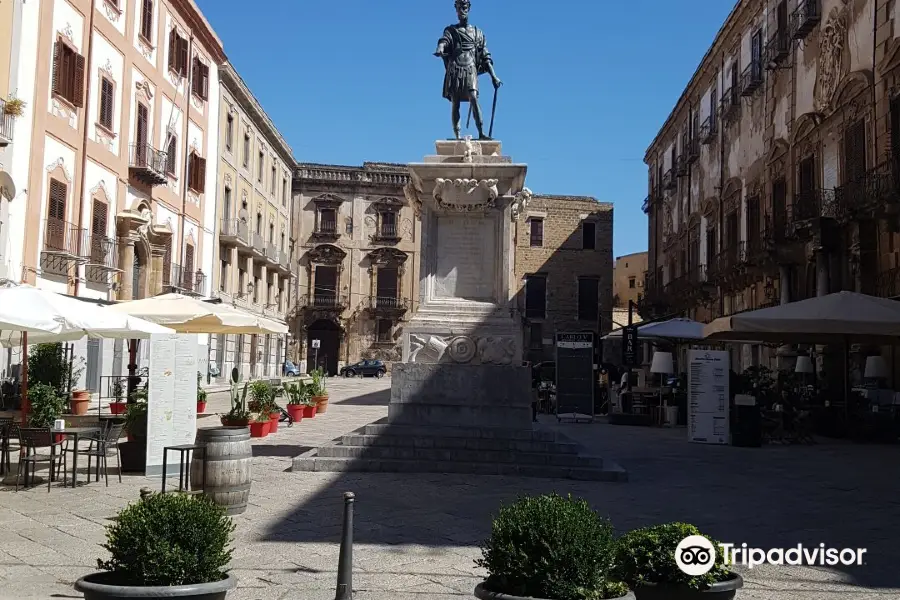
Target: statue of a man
x=466 y=56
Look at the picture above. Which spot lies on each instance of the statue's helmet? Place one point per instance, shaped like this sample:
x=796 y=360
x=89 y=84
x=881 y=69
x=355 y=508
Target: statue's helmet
x=463 y=4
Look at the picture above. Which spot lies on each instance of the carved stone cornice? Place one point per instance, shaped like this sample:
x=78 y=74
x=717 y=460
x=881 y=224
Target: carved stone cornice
x=465 y=195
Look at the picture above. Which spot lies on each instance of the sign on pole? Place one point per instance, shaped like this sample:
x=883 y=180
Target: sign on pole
x=575 y=374
x=708 y=396
x=316 y=344
x=630 y=346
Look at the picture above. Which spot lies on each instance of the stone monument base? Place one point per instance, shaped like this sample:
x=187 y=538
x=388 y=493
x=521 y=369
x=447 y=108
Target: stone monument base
x=448 y=418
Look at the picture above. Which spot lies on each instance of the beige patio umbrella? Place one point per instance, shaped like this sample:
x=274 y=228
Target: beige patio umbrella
x=846 y=317
x=187 y=314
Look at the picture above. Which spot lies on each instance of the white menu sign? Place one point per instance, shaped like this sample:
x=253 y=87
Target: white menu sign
x=171 y=398
x=708 y=396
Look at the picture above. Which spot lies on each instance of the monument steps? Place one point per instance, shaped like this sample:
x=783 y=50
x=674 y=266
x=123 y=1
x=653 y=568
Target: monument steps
x=460 y=443
x=439 y=454
x=609 y=472
x=500 y=433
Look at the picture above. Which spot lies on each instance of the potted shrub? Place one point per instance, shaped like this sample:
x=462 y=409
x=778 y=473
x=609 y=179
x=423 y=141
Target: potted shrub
x=14 y=107
x=645 y=560
x=117 y=406
x=551 y=548
x=133 y=452
x=298 y=399
x=259 y=425
x=318 y=394
x=201 y=395
x=46 y=406
x=165 y=546
x=262 y=402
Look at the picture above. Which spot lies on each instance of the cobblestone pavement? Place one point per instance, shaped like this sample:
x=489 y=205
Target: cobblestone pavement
x=416 y=535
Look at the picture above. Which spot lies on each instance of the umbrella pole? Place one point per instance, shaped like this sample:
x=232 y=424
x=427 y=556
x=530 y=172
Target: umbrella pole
x=26 y=406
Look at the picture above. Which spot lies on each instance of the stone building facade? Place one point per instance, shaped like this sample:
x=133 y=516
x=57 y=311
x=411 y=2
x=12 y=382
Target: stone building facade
x=356 y=268
x=774 y=179
x=628 y=278
x=253 y=254
x=564 y=264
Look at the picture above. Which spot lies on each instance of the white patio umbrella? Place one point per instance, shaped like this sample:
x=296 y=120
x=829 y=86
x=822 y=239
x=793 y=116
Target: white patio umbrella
x=187 y=314
x=50 y=317
x=672 y=329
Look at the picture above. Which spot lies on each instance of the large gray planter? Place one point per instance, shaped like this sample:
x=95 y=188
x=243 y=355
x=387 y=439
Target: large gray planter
x=723 y=590
x=483 y=594
x=99 y=586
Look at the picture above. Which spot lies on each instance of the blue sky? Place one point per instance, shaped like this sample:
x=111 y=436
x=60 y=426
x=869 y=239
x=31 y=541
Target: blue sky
x=587 y=83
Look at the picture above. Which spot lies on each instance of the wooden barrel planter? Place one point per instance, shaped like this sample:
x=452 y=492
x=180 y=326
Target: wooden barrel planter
x=228 y=458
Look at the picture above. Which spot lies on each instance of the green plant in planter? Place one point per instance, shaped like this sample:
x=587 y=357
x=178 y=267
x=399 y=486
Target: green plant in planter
x=647 y=556
x=550 y=547
x=136 y=419
x=262 y=398
x=238 y=410
x=169 y=539
x=317 y=385
x=14 y=107
x=298 y=394
x=118 y=390
x=201 y=393
x=46 y=405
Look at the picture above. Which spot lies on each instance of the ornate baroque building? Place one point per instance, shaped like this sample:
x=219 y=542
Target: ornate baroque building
x=775 y=177
x=253 y=253
x=115 y=189
x=356 y=247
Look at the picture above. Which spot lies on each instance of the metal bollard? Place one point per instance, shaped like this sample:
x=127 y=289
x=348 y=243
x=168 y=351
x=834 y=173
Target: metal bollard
x=345 y=561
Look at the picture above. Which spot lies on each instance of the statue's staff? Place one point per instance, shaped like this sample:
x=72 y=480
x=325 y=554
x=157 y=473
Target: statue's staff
x=493 y=112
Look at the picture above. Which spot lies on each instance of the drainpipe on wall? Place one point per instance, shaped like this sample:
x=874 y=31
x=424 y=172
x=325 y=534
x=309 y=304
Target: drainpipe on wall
x=720 y=226
x=79 y=192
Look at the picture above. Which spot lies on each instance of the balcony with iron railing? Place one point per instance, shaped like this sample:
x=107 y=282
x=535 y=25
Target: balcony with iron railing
x=752 y=78
x=805 y=18
x=259 y=243
x=147 y=164
x=326 y=229
x=869 y=194
x=7 y=123
x=388 y=304
x=235 y=231
x=777 y=50
x=731 y=257
x=191 y=282
x=387 y=232
x=887 y=283
x=693 y=149
x=709 y=129
x=64 y=239
x=332 y=302
x=669 y=181
x=103 y=258
x=813 y=204
x=682 y=167
x=731 y=103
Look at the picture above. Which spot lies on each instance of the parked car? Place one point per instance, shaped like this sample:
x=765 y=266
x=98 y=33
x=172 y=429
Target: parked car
x=366 y=368
x=289 y=369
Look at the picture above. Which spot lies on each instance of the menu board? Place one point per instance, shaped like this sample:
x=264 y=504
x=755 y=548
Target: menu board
x=708 y=396
x=575 y=374
x=171 y=397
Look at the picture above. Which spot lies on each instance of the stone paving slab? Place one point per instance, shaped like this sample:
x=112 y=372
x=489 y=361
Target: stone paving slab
x=417 y=534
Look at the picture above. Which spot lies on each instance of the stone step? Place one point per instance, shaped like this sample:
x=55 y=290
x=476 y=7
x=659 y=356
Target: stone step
x=460 y=415
x=451 y=455
x=610 y=472
x=460 y=443
x=494 y=433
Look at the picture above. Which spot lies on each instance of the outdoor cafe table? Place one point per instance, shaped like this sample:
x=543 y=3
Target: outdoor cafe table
x=75 y=433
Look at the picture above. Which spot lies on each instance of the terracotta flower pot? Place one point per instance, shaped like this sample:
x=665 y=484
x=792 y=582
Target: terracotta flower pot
x=226 y=422
x=117 y=408
x=296 y=412
x=321 y=403
x=309 y=411
x=80 y=401
x=201 y=407
x=259 y=429
x=273 y=421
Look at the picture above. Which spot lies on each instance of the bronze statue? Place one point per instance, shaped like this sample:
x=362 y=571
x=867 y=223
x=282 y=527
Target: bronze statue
x=466 y=56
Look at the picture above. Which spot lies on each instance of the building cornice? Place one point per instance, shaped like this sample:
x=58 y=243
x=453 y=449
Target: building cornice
x=190 y=12
x=239 y=90
x=719 y=45
x=369 y=174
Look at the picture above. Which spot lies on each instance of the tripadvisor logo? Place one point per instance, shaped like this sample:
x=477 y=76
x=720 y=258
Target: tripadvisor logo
x=695 y=555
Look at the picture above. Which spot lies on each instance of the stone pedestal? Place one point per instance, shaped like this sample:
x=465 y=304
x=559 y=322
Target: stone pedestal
x=461 y=398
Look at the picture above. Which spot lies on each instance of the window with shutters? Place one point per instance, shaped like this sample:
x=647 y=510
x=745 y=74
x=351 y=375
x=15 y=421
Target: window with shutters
x=196 y=173
x=55 y=233
x=537 y=233
x=178 y=53
x=284 y=192
x=142 y=136
x=146 y=30
x=260 y=166
x=99 y=243
x=246 y=151
x=274 y=179
x=107 y=102
x=855 y=152
x=68 y=73
x=229 y=132
x=188 y=271
x=200 y=79
x=172 y=155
